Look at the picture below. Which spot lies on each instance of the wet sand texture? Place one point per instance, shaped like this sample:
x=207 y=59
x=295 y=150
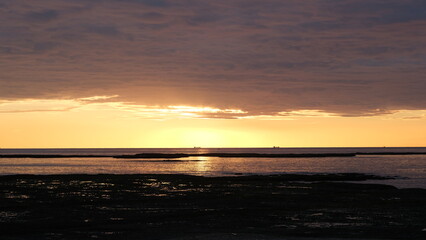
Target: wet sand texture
x=180 y=206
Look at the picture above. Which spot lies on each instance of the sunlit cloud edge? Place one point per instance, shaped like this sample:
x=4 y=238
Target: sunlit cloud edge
x=156 y=112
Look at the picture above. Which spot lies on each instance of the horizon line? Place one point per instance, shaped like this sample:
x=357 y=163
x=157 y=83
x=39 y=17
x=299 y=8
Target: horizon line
x=272 y=147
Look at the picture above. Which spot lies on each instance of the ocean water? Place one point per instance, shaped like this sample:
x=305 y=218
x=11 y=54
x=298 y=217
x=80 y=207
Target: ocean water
x=410 y=169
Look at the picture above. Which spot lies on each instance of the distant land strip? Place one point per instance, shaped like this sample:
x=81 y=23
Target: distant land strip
x=390 y=153
x=224 y=155
x=231 y=155
x=50 y=156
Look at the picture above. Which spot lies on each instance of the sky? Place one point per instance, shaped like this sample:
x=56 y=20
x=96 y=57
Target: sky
x=223 y=73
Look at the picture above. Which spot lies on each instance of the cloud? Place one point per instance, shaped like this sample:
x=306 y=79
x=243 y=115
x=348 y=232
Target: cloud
x=36 y=105
x=153 y=3
x=42 y=16
x=263 y=57
x=384 y=12
x=104 y=103
x=103 y=30
x=97 y=98
x=152 y=17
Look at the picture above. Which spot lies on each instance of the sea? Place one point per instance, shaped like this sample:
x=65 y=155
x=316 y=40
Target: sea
x=409 y=170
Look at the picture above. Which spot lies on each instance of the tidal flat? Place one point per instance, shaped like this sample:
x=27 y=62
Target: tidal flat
x=153 y=206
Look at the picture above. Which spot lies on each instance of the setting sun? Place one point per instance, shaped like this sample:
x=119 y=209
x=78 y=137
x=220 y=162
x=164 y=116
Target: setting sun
x=202 y=137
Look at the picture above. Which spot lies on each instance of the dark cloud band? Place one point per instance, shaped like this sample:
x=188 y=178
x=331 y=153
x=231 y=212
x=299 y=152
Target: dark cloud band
x=348 y=57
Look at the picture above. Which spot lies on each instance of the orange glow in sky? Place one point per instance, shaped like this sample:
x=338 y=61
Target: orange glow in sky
x=90 y=123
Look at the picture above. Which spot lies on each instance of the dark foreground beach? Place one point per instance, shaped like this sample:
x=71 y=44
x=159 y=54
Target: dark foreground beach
x=191 y=207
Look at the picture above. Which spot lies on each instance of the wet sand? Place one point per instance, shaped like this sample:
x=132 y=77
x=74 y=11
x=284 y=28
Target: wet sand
x=191 y=207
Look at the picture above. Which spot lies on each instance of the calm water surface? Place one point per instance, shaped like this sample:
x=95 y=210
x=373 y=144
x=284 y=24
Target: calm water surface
x=412 y=167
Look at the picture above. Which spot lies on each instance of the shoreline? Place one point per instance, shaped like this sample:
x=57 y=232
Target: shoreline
x=254 y=177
